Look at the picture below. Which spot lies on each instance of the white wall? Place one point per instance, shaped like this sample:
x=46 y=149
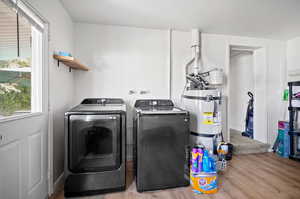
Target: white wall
x=124 y=58
x=242 y=81
x=61 y=82
x=121 y=59
x=293 y=59
x=215 y=53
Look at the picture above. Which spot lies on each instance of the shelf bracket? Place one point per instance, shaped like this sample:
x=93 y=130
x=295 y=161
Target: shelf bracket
x=70 y=69
x=58 y=63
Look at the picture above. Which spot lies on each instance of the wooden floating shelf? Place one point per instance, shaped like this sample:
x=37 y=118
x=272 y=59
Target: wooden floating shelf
x=71 y=62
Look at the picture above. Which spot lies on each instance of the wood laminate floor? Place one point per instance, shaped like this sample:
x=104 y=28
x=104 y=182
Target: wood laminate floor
x=265 y=176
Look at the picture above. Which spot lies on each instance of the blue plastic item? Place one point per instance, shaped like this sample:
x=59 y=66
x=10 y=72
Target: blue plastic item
x=66 y=54
x=205 y=162
x=208 y=163
x=283 y=148
x=249 y=118
x=212 y=164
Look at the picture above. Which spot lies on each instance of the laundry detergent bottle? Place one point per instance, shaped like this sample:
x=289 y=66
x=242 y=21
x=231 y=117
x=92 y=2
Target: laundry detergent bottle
x=205 y=162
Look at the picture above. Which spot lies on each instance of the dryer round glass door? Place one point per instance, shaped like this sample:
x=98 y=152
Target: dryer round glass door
x=94 y=143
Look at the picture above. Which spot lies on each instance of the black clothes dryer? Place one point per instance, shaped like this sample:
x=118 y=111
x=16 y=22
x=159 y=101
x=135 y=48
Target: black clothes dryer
x=161 y=136
x=95 y=144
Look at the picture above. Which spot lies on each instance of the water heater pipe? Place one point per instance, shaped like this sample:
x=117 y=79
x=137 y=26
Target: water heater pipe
x=196 y=60
x=197 y=51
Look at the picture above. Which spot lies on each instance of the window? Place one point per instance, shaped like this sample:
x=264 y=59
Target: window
x=20 y=64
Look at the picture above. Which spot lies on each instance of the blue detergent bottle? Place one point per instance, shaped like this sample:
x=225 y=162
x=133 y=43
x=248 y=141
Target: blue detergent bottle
x=205 y=162
x=212 y=164
x=209 y=164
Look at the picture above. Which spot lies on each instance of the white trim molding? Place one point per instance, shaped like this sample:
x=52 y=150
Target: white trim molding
x=58 y=183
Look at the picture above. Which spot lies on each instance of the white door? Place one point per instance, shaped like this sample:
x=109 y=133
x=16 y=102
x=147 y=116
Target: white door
x=23 y=131
x=23 y=158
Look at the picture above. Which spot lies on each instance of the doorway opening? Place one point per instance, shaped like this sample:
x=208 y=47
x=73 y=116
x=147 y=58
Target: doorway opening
x=246 y=129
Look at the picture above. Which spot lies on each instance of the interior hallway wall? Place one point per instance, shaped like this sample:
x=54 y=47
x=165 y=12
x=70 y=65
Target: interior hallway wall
x=242 y=81
x=61 y=81
x=293 y=59
x=121 y=59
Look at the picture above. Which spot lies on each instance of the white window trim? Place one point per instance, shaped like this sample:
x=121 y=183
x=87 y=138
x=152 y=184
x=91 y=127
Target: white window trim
x=37 y=71
x=30 y=12
x=19 y=117
x=39 y=67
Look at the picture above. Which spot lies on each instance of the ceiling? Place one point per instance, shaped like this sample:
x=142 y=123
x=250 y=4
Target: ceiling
x=275 y=19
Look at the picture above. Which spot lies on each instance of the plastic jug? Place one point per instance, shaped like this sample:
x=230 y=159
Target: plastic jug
x=208 y=163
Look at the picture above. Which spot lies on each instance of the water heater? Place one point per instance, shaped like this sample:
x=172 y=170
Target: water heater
x=202 y=98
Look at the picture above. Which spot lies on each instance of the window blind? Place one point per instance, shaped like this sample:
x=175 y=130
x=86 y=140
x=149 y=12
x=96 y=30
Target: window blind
x=33 y=18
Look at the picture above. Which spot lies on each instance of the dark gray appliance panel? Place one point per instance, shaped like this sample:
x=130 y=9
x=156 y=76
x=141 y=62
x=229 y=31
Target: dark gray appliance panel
x=161 y=156
x=94 y=143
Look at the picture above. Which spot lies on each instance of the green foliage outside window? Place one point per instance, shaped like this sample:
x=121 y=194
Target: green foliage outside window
x=13 y=101
x=15 y=87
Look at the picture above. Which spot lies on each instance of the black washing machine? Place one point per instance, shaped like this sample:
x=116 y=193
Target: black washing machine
x=161 y=136
x=95 y=144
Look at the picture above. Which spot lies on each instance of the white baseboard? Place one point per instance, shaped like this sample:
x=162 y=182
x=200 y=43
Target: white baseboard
x=58 y=183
